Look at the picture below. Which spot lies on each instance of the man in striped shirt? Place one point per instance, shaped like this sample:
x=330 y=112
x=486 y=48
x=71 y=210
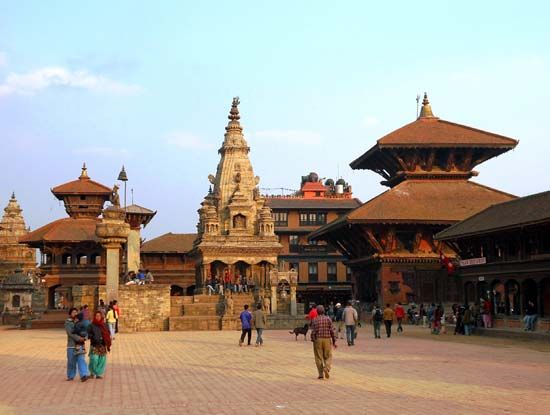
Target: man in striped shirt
x=323 y=338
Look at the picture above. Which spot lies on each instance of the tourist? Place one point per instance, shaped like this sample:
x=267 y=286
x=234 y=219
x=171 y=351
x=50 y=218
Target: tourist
x=530 y=318
x=486 y=313
x=227 y=279
x=459 y=320
x=111 y=320
x=467 y=320
x=246 y=325
x=422 y=315
x=330 y=311
x=377 y=318
x=117 y=314
x=100 y=344
x=339 y=317
x=219 y=286
x=312 y=313
x=74 y=361
x=211 y=286
x=399 y=315
x=350 y=320
x=322 y=335
x=149 y=278
x=140 y=277
x=244 y=284
x=101 y=308
x=259 y=321
x=389 y=315
x=437 y=317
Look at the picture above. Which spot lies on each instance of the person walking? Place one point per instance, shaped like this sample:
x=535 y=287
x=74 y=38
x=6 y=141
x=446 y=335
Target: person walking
x=530 y=318
x=100 y=345
x=487 y=314
x=467 y=320
x=437 y=315
x=101 y=308
x=323 y=337
x=259 y=321
x=377 y=318
x=111 y=320
x=74 y=361
x=246 y=325
x=350 y=320
x=117 y=314
x=339 y=317
x=399 y=315
x=388 y=316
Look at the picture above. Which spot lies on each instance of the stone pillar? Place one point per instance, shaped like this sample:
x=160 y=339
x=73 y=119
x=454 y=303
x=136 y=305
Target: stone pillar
x=273 y=299
x=132 y=250
x=293 y=307
x=112 y=232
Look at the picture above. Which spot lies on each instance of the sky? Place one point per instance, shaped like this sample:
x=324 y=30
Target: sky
x=148 y=85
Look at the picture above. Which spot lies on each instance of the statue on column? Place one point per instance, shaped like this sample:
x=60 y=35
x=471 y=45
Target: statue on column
x=115 y=198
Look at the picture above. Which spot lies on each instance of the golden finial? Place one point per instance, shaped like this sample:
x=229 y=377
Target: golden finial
x=234 y=113
x=84 y=174
x=426 y=110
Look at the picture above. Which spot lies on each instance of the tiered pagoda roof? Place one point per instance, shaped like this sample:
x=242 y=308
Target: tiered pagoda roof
x=179 y=243
x=427 y=165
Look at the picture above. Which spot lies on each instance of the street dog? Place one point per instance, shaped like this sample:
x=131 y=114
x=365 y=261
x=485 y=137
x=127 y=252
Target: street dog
x=300 y=330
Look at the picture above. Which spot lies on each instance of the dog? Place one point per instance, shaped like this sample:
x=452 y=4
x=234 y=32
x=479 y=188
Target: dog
x=300 y=330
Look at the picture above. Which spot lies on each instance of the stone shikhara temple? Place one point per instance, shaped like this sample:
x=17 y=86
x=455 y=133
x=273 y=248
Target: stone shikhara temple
x=236 y=227
x=389 y=240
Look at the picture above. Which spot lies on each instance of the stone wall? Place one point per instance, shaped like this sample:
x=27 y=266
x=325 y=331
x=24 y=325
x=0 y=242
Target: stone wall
x=144 y=307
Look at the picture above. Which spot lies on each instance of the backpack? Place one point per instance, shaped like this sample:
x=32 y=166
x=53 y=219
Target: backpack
x=377 y=315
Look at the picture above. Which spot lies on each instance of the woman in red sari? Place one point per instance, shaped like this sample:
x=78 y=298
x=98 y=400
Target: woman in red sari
x=100 y=345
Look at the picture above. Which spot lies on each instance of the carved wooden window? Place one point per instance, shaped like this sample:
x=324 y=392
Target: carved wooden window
x=331 y=272
x=348 y=274
x=313 y=272
x=280 y=218
x=16 y=301
x=293 y=239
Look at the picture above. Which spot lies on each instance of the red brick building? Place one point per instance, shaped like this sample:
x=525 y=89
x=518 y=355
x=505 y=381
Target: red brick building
x=389 y=240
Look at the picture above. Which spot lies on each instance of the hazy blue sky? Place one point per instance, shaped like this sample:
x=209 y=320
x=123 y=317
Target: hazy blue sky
x=149 y=85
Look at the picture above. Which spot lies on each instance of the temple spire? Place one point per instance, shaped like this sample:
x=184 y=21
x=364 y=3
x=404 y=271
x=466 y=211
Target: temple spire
x=84 y=174
x=426 y=110
x=234 y=116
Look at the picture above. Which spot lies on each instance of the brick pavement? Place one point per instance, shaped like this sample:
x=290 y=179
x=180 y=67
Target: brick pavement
x=207 y=373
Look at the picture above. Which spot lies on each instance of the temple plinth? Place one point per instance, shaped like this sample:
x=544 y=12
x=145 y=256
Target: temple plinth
x=112 y=231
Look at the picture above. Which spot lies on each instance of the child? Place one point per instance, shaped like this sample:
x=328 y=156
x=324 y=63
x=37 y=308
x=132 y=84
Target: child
x=80 y=329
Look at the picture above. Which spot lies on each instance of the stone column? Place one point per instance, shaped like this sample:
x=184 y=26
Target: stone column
x=112 y=232
x=273 y=280
x=293 y=280
x=132 y=250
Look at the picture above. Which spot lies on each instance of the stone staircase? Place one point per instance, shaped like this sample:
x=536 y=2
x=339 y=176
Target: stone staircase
x=207 y=312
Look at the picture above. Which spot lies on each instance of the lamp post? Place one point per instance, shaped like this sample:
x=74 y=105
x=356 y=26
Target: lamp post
x=123 y=177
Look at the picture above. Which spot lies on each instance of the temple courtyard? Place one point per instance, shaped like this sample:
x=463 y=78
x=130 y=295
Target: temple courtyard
x=207 y=373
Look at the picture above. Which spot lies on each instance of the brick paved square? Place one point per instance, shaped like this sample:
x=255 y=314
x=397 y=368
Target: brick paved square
x=207 y=373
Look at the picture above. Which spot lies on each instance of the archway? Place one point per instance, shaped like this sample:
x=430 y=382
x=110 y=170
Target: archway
x=242 y=269
x=482 y=288
x=498 y=297
x=529 y=290
x=544 y=305
x=176 y=290
x=52 y=303
x=470 y=293
x=217 y=269
x=512 y=297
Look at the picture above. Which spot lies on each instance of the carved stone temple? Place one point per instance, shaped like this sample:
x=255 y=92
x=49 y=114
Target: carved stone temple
x=236 y=228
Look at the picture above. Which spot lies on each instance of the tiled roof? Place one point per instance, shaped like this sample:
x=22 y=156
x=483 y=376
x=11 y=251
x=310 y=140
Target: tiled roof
x=63 y=230
x=436 y=132
x=300 y=203
x=524 y=211
x=423 y=201
x=170 y=243
x=313 y=187
x=140 y=210
x=81 y=186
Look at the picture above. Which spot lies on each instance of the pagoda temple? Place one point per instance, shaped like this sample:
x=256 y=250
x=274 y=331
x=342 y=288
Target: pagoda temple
x=70 y=250
x=236 y=228
x=388 y=240
x=12 y=227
